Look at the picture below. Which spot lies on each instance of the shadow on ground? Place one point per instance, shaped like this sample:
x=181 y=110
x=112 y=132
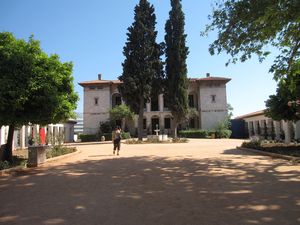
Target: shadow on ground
x=152 y=190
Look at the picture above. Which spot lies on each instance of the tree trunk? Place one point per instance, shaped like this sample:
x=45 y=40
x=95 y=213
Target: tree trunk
x=140 y=120
x=9 y=143
x=174 y=125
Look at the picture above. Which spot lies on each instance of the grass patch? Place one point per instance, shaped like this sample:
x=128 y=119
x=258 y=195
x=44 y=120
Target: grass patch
x=17 y=161
x=59 y=150
x=279 y=148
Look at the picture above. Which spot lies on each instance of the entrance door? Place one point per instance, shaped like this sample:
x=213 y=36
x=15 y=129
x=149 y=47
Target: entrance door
x=154 y=122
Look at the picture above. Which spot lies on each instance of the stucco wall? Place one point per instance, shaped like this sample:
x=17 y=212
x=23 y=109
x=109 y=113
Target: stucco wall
x=93 y=114
x=212 y=113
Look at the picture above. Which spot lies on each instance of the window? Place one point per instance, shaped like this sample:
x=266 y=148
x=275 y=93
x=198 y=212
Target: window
x=96 y=101
x=213 y=98
x=167 y=123
x=191 y=101
x=118 y=100
x=92 y=87
x=154 y=104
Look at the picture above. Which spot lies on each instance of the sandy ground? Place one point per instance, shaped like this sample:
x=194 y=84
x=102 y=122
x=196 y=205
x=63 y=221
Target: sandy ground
x=200 y=182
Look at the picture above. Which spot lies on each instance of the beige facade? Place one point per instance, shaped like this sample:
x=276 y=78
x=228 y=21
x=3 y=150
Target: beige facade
x=207 y=95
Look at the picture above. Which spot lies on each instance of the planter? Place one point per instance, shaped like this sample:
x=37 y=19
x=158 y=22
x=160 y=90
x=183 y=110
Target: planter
x=164 y=137
x=36 y=155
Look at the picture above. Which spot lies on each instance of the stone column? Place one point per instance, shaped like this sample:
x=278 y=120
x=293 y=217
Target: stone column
x=287 y=132
x=297 y=130
x=22 y=137
x=255 y=128
x=161 y=103
x=249 y=129
x=148 y=107
x=277 y=130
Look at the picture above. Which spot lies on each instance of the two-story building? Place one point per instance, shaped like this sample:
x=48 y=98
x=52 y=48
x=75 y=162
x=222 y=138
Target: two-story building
x=207 y=95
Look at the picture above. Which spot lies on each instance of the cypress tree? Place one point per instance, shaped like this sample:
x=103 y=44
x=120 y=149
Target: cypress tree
x=142 y=65
x=176 y=68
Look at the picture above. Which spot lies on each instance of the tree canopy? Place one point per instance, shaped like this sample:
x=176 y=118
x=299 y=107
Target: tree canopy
x=176 y=69
x=35 y=88
x=142 y=66
x=246 y=28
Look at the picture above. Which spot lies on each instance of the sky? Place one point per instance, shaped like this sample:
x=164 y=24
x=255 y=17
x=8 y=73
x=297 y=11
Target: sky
x=92 y=34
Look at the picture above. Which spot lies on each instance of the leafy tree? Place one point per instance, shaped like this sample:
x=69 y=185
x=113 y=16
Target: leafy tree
x=176 y=69
x=247 y=27
x=121 y=112
x=35 y=88
x=142 y=66
x=278 y=106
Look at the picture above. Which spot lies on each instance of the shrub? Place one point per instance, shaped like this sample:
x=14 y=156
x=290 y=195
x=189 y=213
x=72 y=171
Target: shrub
x=223 y=133
x=179 y=140
x=193 y=133
x=4 y=165
x=88 y=137
x=252 y=144
x=59 y=150
x=125 y=135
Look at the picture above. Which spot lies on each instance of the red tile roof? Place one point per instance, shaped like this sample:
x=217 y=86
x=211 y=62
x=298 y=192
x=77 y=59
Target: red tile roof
x=257 y=113
x=95 y=82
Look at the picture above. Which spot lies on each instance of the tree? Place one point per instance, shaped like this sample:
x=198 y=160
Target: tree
x=176 y=70
x=247 y=27
x=35 y=88
x=121 y=112
x=142 y=66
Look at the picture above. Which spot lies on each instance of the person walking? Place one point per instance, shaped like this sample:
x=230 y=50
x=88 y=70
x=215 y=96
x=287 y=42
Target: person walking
x=116 y=137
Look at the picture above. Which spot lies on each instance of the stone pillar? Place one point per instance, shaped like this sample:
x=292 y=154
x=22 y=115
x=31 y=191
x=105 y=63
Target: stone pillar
x=1 y=136
x=287 y=131
x=22 y=137
x=297 y=130
x=249 y=129
x=161 y=103
x=148 y=107
x=255 y=127
x=277 y=130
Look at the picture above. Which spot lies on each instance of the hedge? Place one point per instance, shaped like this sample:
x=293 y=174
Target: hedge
x=88 y=137
x=194 y=133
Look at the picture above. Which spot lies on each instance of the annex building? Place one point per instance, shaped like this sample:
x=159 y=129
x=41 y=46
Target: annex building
x=207 y=95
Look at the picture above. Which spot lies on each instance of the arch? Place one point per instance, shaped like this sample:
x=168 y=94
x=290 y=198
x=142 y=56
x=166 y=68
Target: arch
x=116 y=99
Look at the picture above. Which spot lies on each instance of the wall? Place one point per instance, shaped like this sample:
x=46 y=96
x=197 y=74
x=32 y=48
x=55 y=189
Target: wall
x=93 y=114
x=212 y=113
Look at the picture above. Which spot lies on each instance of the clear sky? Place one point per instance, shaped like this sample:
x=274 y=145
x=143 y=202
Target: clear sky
x=92 y=34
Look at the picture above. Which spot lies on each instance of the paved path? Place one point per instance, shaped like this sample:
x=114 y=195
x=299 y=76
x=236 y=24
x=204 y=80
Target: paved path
x=201 y=182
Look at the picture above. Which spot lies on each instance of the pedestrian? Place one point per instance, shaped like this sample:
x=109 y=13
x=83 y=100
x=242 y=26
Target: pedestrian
x=116 y=137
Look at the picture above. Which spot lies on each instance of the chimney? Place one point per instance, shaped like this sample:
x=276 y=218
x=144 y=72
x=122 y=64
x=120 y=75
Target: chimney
x=207 y=74
x=99 y=76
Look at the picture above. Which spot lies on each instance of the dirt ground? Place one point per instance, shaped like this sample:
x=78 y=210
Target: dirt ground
x=200 y=182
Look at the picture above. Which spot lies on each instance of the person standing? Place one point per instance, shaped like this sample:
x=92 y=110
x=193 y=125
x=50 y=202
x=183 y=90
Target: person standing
x=116 y=137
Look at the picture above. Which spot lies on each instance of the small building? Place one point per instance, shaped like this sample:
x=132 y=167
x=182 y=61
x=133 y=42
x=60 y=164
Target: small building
x=207 y=95
x=258 y=124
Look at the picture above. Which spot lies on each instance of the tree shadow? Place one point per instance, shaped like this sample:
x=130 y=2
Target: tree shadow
x=153 y=190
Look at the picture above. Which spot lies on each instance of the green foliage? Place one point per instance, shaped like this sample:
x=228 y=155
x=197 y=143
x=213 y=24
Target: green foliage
x=252 y=144
x=4 y=165
x=121 y=112
x=59 y=150
x=223 y=133
x=176 y=69
x=106 y=127
x=180 y=140
x=17 y=161
x=277 y=105
x=88 y=137
x=250 y=27
x=194 y=133
x=125 y=135
x=35 y=88
x=142 y=67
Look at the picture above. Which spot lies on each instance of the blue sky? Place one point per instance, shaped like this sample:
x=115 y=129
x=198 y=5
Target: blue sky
x=92 y=34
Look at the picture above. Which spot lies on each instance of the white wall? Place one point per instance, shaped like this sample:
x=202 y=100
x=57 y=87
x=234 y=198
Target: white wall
x=93 y=114
x=212 y=113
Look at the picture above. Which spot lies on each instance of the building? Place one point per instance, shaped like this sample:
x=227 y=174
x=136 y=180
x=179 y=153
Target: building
x=259 y=125
x=207 y=95
x=78 y=127
x=54 y=133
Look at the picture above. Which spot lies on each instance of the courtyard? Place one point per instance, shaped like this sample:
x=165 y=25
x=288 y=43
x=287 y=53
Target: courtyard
x=204 y=181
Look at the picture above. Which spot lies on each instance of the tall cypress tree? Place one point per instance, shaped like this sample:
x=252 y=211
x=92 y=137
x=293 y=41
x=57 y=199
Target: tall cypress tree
x=142 y=65
x=176 y=69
